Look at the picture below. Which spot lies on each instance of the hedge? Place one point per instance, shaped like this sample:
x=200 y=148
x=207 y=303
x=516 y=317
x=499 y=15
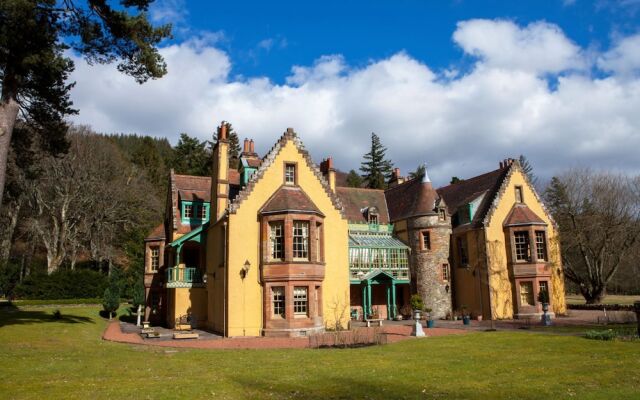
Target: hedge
x=78 y=284
x=600 y=307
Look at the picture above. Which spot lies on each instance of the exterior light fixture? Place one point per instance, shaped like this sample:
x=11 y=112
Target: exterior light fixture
x=245 y=269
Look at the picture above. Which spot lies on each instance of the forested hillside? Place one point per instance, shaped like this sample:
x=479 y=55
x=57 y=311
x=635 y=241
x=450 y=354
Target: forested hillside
x=88 y=208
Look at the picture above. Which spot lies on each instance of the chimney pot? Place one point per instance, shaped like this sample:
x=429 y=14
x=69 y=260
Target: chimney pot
x=251 y=146
x=245 y=147
x=222 y=131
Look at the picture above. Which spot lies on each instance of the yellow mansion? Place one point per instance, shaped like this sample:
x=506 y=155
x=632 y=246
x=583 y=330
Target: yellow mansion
x=281 y=247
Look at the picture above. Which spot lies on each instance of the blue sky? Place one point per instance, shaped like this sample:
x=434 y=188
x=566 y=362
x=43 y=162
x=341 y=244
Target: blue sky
x=459 y=85
x=267 y=38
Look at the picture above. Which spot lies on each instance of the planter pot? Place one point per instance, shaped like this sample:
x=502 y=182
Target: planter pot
x=479 y=317
x=466 y=320
x=431 y=323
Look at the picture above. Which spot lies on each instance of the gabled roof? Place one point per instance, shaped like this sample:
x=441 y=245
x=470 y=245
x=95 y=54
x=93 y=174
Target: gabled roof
x=411 y=198
x=354 y=200
x=269 y=159
x=520 y=214
x=289 y=199
x=463 y=192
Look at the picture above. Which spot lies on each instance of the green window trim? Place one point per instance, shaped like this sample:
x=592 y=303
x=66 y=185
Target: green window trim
x=196 y=212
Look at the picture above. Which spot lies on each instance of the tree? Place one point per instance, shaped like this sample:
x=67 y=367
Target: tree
x=234 y=147
x=455 y=179
x=418 y=173
x=353 y=179
x=111 y=299
x=599 y=219
x=376 y=168
x=192 y=157
x=34 y=71
x=527 y=168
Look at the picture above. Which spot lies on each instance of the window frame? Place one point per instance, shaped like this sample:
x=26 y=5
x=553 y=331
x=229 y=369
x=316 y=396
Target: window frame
x=300 y=304
x=286 y=180
x=425 y=234
x=154 y=258
x=270 y=225
x=524 y=301
x=541 y=245
x=304 y=243
x=278 y=302
x=445 y=272
x=517 y=245
x=519 y=194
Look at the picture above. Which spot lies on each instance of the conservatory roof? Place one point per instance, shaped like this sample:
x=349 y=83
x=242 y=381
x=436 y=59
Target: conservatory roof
x=375 y=240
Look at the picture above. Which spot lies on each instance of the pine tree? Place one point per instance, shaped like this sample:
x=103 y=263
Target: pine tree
x=527 y=168
x=354 y=180
x=418 y=173
x=192 y=157
x=35 y=66
x=234 y=147
x=376 y=168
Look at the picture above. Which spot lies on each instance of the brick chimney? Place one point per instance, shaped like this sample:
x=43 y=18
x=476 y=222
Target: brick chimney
x=396 y=178
x=219 y=174
x=326 y=167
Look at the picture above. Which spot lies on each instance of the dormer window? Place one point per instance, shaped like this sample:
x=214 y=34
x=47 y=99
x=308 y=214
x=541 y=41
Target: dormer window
x=373 y=219
x=442 y=215
x=194 y=212
x=290 y=174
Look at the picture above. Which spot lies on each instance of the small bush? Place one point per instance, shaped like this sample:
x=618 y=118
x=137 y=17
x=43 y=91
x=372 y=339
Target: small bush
x=416 y=302
x=609 y=334
x=111 y=300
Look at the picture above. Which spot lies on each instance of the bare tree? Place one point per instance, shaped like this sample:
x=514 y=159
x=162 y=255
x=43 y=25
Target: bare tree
x=599 y=218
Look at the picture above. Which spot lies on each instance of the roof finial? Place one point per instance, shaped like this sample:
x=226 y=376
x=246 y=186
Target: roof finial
x=425 y=177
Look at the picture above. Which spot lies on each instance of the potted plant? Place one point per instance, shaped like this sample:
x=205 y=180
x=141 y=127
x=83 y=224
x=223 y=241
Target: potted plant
x=430 y=322
x=466 y=319
x=417 y=305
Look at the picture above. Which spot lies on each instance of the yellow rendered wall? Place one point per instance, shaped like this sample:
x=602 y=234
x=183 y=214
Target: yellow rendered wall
x=245 y=296
x=400 y=228
x=500 y=285
x=183 y=301
x=214 y=264
x=470 y=281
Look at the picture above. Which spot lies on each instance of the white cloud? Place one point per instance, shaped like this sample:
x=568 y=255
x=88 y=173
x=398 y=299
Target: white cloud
x=461 y=124
x=539 y=47
x=624 y=58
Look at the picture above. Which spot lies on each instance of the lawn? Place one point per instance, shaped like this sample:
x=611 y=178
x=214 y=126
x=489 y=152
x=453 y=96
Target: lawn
x=609 y=299
x=47 y=358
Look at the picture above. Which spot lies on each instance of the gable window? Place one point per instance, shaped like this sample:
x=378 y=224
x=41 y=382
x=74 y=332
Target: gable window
x=290 y=174
x=277 y=298
x=276 y=241
x=521 y=241
x=426 y=240
x=445 y=272
x=300 y=301
x=301 y=240
x=155 y=259
x=442 y=215
x=462 y=251
x=541 y=245
x=188 y=211
x=519 y=196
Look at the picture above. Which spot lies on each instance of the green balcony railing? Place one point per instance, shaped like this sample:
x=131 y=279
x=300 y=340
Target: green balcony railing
x=178 y=277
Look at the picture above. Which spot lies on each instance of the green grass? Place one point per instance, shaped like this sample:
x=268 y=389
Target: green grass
x=45 y=358
x=609 y=299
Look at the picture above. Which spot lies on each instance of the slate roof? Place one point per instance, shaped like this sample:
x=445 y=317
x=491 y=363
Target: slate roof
x=520 y=214
x=464 y=192
x=193 y=187
x=354 y=200
x=287 y=199
x=411 y=198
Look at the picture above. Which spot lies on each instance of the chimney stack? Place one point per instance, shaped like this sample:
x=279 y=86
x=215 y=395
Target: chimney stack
x=326 y=167
x=245 y=147
x=252 y=149
x=219 y=176
x=222 y=131
x=396 y=179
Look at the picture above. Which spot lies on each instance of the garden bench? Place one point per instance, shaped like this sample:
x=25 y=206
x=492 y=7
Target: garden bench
x=183 y=323
x=185 y=335
x=369 y=321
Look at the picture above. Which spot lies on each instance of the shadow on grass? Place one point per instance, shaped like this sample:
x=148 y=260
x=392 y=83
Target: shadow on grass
x=340 y=388
x=12 y=315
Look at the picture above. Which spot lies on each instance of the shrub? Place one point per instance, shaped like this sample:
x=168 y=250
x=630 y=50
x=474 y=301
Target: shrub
x=609 y=334
x=138 y=295
x=9 y=278
x=111 y=300
x=416 y=302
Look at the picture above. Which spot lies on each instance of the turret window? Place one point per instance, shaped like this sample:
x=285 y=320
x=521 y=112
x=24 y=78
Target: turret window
x=425 y=240
x=445 y=272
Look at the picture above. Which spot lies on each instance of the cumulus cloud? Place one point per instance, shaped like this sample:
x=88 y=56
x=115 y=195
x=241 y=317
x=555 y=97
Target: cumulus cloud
x=459 y=123
x=624 y=58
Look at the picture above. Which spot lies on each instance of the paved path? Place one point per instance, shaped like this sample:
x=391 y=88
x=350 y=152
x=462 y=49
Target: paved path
x=393 y=333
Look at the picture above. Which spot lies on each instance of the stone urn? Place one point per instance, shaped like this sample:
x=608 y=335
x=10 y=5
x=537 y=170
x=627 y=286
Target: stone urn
x=417 y=314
